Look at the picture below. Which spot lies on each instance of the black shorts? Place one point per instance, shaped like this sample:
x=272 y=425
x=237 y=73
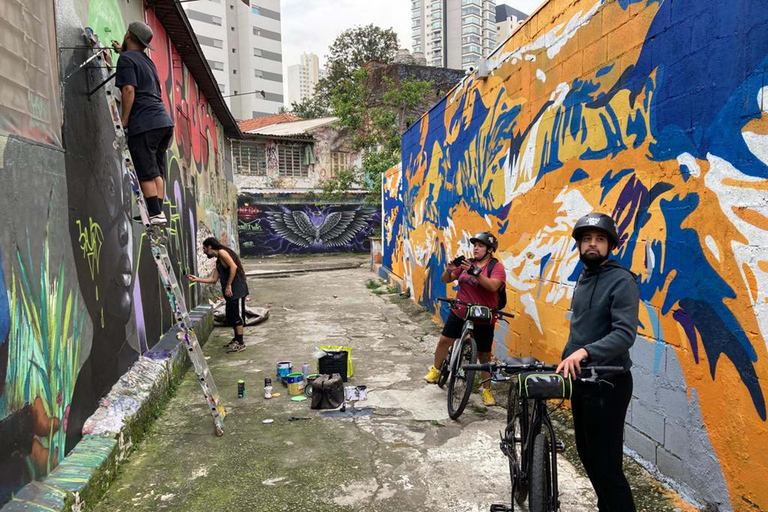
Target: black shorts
x=148 y=152
x=235 y=309
x=483 y=332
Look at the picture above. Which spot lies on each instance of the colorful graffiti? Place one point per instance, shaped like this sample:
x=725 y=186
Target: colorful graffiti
x=77 y=311
x=291 y=229
x=657 y=113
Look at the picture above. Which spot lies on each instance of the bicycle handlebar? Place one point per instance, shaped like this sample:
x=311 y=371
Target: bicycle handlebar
x=457 y=301
x=493 y=367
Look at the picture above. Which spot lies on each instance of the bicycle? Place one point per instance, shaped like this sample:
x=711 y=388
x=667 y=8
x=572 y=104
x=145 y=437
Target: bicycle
x=462 y=352
x=529 y=440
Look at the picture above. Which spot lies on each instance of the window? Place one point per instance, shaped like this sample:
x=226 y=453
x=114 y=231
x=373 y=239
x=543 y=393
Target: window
x=340 y=161
x=216 y=20
x=435 y=5
x=470 y=19
x=471 y=48
x=416 y=31
x=471 y=39
x=470 y=2
x=258 y=73
x=223 y=88
x=470 y=10
x=216 y=65
x=290 y=158
x=250 y=158
x=436 y=24
x=438 y=62
x=437 y=15
x=468 y=60
x=255 y=10
x=415 y=23
x=470 y=30
x=256 y=52
x=416 y=49
x=257 y=32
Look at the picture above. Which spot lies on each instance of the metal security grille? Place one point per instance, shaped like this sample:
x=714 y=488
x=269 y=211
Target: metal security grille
x=250 y=158
x=290 y=162
x=339 y=162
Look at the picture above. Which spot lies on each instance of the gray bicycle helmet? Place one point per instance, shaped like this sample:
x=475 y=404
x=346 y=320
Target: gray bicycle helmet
x=599 y=221
x=486 y=238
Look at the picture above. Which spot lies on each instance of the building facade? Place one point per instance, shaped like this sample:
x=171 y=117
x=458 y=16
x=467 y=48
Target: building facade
x=303 y=78
x=243 y=46
x=507 y=20
x=453 y=33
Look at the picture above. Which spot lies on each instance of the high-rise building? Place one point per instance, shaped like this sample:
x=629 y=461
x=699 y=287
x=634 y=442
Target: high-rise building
x=507 y=20
x=453 y=33
x=302 y=78
x=243 y=46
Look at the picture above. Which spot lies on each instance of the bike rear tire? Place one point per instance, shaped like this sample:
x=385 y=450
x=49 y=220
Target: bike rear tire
x=460 y=382
x=515 y=435
x=539 y=499
x=445 y=371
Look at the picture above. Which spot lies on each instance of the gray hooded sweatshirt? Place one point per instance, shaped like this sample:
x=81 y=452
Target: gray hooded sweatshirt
x=605 y=308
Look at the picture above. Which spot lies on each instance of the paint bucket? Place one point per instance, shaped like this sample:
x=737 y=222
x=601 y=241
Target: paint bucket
x=308 y=386
x=295 y=383
x=284 y=368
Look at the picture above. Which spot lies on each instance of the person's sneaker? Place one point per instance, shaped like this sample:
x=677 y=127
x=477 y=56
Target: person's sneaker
x=236 y=347
x=158 y=220
x=433 y=375
x=488 y=399
x=231 y=342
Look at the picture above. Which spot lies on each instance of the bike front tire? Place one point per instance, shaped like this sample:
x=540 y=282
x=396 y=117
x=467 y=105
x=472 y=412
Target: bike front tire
x=539 y=499
x=460 y=382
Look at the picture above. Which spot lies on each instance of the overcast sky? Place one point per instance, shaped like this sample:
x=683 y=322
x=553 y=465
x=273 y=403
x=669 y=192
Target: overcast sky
x=312 y=25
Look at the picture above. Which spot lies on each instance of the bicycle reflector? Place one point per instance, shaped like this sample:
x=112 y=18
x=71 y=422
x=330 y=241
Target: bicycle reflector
x=545 y=386
x=479 y=314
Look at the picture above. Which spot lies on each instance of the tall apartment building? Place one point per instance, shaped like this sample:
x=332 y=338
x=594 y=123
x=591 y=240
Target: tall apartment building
x=507 y=20
x=453 y=33
x=244 y=48
x=303 y=77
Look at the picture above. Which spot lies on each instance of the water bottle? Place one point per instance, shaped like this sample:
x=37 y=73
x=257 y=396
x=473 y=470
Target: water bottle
x=305 y=371
x=267 y=388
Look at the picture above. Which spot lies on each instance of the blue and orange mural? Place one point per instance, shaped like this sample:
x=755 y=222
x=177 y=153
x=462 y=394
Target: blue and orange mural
x=655 y=112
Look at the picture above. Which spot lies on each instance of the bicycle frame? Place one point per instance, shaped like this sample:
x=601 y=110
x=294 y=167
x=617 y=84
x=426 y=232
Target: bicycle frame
x=469 y=326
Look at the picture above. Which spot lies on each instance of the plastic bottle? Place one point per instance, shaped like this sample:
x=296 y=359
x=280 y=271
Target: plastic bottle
x=305 y=371
x=267 y=388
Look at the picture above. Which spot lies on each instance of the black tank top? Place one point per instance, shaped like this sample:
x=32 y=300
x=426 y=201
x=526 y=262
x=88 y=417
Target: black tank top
x=239 y=284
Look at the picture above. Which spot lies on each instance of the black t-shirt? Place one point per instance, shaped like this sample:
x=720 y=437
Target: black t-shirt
x=148 y=112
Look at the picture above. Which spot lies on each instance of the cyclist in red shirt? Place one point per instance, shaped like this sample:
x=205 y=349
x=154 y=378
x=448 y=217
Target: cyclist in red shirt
x=476 y=286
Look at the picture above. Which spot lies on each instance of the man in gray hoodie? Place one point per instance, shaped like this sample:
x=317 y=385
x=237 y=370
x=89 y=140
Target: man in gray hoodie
x=603 y=328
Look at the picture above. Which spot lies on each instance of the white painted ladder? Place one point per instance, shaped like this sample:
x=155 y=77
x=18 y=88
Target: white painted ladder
x=157 y=240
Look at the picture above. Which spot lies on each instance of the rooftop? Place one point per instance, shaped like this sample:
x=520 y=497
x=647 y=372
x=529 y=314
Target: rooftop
x=291 y=129
x=258 y=122
x=504 y=11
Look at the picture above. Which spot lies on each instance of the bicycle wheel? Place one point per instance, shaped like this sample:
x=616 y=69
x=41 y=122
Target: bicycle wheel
x=460 y=382
x=514 y=437
x=445 y=370
x=539 y=499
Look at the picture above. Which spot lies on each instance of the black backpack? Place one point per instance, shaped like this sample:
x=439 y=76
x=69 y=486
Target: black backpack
x=503 y=290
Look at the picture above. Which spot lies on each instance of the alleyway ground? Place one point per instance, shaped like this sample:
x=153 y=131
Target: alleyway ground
x=407 y=456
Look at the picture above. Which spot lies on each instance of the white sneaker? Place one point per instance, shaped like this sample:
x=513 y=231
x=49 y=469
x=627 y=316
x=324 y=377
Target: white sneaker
x=158 y=220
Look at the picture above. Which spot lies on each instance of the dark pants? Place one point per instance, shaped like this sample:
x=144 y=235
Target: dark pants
x=598 y=419
x=148 y=152
x=235 y=311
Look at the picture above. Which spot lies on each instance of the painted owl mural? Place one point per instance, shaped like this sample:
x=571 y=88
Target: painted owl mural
x=655 y=112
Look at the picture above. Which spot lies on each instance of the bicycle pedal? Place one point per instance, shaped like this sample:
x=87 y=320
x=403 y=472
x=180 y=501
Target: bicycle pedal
x=497 y=507
x=559 y=446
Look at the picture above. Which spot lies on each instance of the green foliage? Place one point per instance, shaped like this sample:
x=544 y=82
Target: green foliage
x=377 y=114
x=311 y=108
x=371 y=284
x=337 y=187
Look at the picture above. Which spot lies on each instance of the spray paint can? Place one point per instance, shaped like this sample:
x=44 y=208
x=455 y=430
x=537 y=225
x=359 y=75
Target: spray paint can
x=267 y=388
x=305 y=371
x=241 y=389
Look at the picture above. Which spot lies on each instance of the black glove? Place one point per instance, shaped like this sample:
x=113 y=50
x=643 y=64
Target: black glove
x=474 y=271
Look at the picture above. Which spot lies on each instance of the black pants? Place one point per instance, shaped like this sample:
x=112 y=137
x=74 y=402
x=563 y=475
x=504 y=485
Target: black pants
x=598 y=419
x=148 y=152
x=235 y=311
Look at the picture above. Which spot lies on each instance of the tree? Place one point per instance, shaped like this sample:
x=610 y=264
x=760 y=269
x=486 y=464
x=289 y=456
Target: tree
x=377 y=120
x=312 y=107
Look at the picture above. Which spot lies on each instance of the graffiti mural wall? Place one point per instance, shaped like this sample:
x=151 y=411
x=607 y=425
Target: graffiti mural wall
x=80 y=297
x=655 y=112
x=266 y=229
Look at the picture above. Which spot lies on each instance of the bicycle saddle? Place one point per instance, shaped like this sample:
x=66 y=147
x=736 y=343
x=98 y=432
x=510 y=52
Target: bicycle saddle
x=516 y=361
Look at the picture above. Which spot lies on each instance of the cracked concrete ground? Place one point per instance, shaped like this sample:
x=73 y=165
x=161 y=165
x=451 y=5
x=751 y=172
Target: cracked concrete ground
x=406 y=456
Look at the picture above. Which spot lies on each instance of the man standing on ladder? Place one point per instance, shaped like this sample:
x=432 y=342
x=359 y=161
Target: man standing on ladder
x=147 y=123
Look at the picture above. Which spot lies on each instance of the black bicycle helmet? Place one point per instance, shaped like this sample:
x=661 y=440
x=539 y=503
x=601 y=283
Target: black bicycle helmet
x=599 y=221
x=487 y=239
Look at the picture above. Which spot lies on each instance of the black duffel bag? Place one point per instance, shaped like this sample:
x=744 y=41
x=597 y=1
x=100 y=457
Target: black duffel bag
x=327 y=392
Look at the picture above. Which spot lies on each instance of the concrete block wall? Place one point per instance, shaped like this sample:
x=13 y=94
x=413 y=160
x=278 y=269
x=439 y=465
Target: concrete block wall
x=656 y=113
